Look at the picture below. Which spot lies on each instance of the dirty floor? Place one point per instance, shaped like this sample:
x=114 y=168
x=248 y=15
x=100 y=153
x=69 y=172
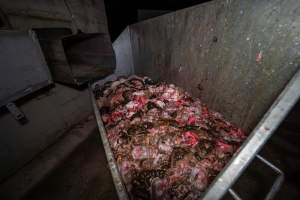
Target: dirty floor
x=84 y=175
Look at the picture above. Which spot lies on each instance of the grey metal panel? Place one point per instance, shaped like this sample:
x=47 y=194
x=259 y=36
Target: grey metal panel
x=239 y=53
x=123 y=51
x=23 y=67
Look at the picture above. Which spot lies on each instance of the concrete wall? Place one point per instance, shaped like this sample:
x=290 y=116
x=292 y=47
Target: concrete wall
x=86 y=15
x=237 y=55
x=53 y=112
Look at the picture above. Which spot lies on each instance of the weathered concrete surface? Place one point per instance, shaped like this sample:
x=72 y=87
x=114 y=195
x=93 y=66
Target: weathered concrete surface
x=37 y=170
x=88 y=16
x=92 y=55
x=236 y=55
x=84 y=175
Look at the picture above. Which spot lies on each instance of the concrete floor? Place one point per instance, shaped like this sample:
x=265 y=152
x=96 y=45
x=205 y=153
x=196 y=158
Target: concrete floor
x=85 y=175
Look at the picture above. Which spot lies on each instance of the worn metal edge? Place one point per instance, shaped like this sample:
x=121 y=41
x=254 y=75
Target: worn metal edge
x=258 y=137
x=121 y=190
x=40 y=52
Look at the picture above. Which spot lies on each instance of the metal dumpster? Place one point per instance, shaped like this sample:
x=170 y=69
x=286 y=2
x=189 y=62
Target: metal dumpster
x=240 y=58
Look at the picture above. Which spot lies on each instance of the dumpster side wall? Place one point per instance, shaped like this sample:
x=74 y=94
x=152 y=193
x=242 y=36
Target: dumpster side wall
x=236 y=55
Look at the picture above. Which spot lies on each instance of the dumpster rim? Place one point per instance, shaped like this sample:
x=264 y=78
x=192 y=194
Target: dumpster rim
x=119 y=186
x=256 y=140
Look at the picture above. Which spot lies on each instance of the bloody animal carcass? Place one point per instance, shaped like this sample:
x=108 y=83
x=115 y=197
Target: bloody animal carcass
x=167 y=144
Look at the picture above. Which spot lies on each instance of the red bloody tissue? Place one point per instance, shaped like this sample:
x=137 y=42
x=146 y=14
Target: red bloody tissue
x=167 y=145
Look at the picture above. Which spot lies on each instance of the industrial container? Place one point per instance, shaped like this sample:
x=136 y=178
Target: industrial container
x=240 y=58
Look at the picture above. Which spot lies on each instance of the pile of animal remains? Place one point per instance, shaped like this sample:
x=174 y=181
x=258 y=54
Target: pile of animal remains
x=167 y=145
